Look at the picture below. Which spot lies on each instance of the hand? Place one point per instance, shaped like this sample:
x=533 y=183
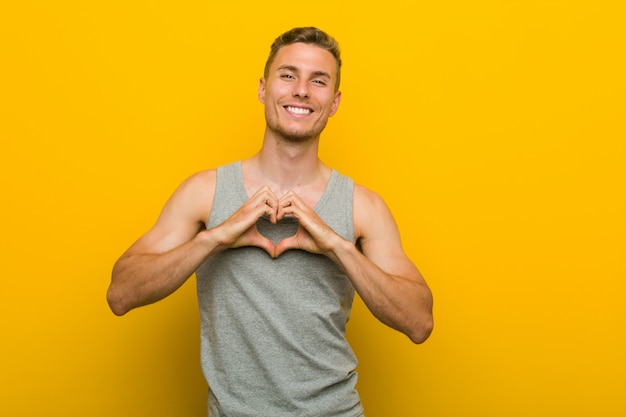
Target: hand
x=313 y=234
x=240 y=228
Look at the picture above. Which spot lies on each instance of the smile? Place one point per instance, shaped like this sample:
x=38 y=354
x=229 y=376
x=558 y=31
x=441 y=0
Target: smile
x=298 y=110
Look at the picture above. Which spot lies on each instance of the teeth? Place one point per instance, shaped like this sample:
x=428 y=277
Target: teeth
x=298 y=110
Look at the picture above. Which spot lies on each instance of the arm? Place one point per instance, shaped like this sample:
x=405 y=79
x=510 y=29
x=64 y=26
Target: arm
x=385 y=278
x=160 y=261
x=168 y=254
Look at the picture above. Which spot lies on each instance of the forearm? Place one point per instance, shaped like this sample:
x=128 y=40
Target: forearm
x=140 y=279
x=401 y=302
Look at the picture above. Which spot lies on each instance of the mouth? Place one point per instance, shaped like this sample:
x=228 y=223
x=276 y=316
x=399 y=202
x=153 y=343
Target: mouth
x=299 y=111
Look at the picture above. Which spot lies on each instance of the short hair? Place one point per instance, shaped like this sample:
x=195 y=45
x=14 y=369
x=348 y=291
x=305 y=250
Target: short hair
x=309 y=35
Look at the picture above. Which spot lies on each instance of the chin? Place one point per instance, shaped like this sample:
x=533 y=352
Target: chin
x=297 y=138
x=294 y=135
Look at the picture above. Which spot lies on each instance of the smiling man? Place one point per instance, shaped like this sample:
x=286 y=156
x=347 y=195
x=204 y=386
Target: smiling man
x=279 y=243
x=300 y=92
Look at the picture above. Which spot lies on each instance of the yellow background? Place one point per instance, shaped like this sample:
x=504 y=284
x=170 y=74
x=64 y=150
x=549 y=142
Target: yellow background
x=495 y=130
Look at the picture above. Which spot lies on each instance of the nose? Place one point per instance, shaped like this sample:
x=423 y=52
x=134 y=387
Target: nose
x=301 y=89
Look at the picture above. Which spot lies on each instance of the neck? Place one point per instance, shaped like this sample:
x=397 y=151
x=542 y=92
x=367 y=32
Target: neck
x=286 y=165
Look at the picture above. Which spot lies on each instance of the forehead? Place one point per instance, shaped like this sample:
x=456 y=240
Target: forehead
x=305 y=57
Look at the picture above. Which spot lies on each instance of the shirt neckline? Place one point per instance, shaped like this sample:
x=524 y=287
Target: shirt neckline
x=317 y=207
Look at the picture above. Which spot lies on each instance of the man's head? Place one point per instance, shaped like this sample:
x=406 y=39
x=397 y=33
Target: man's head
x=299 y=88
x=308 y=35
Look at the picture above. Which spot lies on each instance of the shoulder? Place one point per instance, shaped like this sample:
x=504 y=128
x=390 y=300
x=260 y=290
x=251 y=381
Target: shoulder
x=193 y=197
x=367 y=202
x=370 y=212
x=199 y=184
x=364 y=195
x=200 y=181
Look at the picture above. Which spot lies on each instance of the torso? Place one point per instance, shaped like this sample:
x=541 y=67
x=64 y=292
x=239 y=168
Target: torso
x=289 y=314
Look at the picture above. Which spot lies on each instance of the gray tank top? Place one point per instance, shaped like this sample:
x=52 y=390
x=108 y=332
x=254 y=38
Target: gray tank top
x=273 y=330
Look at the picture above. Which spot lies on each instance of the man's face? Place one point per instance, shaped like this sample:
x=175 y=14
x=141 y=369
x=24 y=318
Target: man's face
x=299 y=92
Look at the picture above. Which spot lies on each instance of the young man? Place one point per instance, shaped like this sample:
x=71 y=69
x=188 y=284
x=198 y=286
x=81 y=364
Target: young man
x=279 y=243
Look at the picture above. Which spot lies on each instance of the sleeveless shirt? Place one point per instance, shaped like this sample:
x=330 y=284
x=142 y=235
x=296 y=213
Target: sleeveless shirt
x=273 y=330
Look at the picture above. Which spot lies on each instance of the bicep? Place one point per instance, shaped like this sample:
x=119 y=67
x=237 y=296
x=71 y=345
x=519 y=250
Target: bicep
x=379 y=237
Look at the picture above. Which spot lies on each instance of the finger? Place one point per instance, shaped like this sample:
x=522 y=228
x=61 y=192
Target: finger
x=262 y=202
x=262 y=195
x=288 y=204
x=291 y=198
x=262 y=191
x=284 y=210
x=265 y=201
x=252 y=237
x=285 y=245
x=271 y=209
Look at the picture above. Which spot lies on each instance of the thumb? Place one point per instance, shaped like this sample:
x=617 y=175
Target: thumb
x=252 y=237
x=264 y=243
x=285 y=245
x=267 y=245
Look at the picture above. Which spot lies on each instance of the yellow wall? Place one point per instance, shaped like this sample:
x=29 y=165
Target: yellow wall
x=495 y=130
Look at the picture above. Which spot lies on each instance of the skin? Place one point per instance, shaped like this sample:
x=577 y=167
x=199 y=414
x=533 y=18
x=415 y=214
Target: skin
x=285 y=178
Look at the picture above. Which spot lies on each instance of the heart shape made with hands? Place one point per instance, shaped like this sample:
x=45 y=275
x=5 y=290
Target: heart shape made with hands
x=279 y=225
x=277 y=238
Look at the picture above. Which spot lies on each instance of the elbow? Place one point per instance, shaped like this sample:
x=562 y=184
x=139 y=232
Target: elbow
x=117 y=293
x=422 y=326
x=420 y=333
x=116 y=304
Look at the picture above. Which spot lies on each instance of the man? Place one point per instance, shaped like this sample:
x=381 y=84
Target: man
x=279 y=243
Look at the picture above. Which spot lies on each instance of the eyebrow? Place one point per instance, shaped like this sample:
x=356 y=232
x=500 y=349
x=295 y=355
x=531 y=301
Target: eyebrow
x=293 y=68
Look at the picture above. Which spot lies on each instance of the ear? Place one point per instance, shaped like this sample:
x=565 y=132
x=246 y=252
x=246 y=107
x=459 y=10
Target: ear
x=262 y=90
x=336 y=102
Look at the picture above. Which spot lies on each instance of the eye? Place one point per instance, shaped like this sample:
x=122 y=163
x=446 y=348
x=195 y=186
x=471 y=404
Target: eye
x=319 y=82
x=287 y=76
